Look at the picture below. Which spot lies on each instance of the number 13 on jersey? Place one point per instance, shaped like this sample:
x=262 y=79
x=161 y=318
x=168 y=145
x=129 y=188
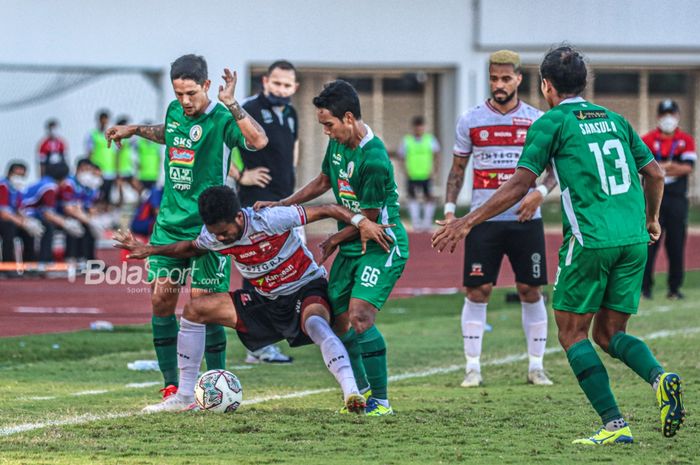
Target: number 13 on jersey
x=609 y=183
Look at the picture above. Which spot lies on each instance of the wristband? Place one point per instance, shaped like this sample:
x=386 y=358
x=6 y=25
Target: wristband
x=543 y=190
x=356 y=220
x=450 y=207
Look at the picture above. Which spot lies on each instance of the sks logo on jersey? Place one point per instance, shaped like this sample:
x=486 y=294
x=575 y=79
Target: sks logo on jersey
x=517 y=121
x=476 y=270
x=180 y=156
x=590 y=114
x=196 y=132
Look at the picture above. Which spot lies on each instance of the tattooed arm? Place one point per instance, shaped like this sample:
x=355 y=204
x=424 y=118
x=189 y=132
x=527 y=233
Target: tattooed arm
x=455 y=181
x=254 y=134
x=115 y=134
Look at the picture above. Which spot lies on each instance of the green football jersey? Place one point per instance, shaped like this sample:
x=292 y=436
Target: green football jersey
x=363 y=178
x=596 y=156
x=197 y=156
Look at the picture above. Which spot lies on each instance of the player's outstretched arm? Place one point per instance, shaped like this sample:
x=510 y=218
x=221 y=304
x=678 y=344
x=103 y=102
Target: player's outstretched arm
x=254 y=134
x=115 y=134
x=653 y=177
x=137 y=249
x=314 y=188
x=505 y=197
x=369 y=230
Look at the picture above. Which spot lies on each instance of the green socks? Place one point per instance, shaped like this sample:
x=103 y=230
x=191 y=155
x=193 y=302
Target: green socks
x=165 y=343
x=215 y=347
x=593 y=379
x=374 y=359
x=350 y=341
x=635 y=354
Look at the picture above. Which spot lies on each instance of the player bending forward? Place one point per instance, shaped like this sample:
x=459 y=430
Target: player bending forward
x=290 y=300
x=609 y=217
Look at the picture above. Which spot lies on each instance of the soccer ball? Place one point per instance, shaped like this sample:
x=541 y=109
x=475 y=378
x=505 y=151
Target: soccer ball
x=218 y=391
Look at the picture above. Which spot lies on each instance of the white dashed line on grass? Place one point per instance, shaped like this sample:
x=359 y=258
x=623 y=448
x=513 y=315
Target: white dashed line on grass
x=87 y=418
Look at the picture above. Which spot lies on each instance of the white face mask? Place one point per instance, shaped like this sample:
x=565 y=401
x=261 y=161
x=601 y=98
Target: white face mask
x=89 y=180
x=18 y=182
x=668 y=123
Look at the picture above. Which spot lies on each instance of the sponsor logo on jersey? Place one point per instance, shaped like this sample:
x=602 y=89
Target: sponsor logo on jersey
x=180 y=156
x=171 y=126
x=476 y=270
x=590 y=114
x=266 y=116
x=520 y=135
x=503 y=134
x=336 y=158
x=492 y=179
x=342 y=174
x=517 y=121
x=181 y=178
x=245 y=298
x=345 y=190
x=196 y=132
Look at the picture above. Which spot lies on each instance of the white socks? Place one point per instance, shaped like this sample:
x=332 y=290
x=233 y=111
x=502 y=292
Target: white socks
x=190 y=351
x=535 y=326
x=428 y=215
x=334 y=353
x=473 y=322
x=414 y=213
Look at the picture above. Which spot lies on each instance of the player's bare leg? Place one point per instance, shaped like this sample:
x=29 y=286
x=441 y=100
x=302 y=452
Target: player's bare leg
x=315 y=322
x=534 y=318
x=473 y=326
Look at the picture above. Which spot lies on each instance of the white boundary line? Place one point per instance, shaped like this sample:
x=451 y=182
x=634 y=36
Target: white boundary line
x=87 y=418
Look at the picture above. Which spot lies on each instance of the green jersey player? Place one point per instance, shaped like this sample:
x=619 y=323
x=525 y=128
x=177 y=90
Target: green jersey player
x=608 y=218
x=357 y=169
x=199 y=135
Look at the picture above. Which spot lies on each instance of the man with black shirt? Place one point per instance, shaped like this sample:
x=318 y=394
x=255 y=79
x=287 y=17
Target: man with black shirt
x=674 y=150
x=268 y=174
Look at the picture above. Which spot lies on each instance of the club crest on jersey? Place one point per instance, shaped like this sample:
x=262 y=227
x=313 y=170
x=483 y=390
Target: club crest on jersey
x=196 y=132
x=180 y=156
x=476 y=270
x=345 y=190
x=484 y=134
x=266 y=116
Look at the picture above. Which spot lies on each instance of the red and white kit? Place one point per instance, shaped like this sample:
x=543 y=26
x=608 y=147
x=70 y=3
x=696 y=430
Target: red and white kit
x=495 y=141
x=269 y=255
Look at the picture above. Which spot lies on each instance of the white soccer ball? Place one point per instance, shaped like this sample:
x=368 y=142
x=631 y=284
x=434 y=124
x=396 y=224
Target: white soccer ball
x=218 y=391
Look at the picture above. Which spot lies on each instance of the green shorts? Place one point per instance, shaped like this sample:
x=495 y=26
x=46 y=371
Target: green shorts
x=370 y=277
x=211 y=271
x=588 y=279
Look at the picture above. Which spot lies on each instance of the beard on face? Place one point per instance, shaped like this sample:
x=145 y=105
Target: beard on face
x=502 y=97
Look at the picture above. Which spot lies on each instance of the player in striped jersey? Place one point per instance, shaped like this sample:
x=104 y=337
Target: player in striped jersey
x=290 y=299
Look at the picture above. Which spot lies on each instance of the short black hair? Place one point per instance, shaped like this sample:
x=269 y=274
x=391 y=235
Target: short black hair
x=339 y=97
x=281 y=64
x=51 y=123
x=565 y=67
x=84 y=162
x=103 y=113
x=14 y=165
x=122 y=120
x=193 y=67
x=218 y=204
x=418 y=121
x=58 y=171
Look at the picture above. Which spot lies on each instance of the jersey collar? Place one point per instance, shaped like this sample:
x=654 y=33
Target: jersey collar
x=576 y=99
x=368 y=137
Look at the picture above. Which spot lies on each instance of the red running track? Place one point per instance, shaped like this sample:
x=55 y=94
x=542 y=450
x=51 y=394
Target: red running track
x=32 y=306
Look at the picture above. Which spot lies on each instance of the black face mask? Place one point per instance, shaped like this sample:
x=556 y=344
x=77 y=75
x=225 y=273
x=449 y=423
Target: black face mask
x=276 y=101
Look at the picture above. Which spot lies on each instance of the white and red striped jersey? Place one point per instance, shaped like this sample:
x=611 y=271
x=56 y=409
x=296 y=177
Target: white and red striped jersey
x=495 y=141
x=269 y=254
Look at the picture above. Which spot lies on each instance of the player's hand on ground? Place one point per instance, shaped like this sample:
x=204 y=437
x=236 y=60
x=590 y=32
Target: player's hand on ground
x=529 y=205
x=260 y=204
x=371 y=231
x=654 y=230
x=450 y=234
x=226 y=91
x=127 y=241
x=259 y=177
x=328 y=247
x=116 y=134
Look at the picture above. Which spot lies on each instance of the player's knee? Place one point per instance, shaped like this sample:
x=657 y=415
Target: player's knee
x=527 y=293
x=361 y=321
x=602 y=337
x=341 y=324
x=479 y=294
x=193 y=312
x=161 y=305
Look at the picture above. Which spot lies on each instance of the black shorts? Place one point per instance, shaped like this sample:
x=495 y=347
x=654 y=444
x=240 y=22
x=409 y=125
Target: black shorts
x=263 y=321
x=415 y=186
x=523 y=243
